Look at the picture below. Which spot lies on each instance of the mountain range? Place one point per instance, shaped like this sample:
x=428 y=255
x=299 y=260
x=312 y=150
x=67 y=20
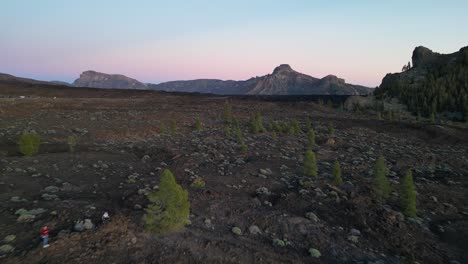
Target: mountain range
x=283 y=81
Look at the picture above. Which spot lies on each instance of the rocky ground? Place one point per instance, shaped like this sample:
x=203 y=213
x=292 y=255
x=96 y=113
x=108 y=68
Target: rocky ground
x=253 y=208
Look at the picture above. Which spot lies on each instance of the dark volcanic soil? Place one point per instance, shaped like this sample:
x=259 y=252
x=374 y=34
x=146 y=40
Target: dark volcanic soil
x=121 y=152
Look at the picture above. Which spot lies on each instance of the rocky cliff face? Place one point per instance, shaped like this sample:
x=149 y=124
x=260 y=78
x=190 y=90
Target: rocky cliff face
x=435 y=83
x=286 y=81
x=102 y=80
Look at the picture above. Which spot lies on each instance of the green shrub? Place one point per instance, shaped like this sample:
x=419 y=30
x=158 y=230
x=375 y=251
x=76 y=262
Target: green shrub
x=408 y=195
x=331 y=129
x=227 y=130
x=169 y=207
x=256 y=124
x=381 y=184
x=198 y=124
x=294 y=127
x=310 y=164
x=243 y=147
x=29 y=144
x=237 y=131
x=198 y=183
x=337 y=180
x=311 y=138
x=227 y=112
x=71 y=141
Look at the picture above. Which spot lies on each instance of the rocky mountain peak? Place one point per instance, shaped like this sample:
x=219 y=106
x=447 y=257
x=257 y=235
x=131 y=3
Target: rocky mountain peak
x=283 y=68
x=102 y=80
x=422 y=55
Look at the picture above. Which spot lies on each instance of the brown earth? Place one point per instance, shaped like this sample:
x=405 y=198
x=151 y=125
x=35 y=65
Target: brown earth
x=119 y=135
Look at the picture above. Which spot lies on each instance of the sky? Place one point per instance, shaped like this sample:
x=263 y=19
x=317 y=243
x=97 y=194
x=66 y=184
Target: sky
x=156 y=41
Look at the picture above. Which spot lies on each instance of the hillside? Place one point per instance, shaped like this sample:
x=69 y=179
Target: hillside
x=437 y=83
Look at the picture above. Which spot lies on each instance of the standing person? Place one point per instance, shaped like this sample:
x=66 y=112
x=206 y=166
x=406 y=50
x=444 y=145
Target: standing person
x=45 y=236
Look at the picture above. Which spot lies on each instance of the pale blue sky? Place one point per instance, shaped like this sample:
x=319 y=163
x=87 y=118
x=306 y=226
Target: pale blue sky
x=155 y=41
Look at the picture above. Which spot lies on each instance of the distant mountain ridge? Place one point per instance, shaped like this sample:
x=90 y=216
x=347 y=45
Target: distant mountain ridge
x=283 y=81
x=102 y=80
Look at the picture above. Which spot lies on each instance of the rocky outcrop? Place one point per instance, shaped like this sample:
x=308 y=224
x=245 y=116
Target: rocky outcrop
x=286 y=81
x=102 y=80
x=435 y=83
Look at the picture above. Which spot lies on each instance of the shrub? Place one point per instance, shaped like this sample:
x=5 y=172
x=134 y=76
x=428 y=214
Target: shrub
x=337 y=180
x=169 y=207
x=198 y=124
x=381 y=184
x=29 y=144
x=236 y=130
x=331 y=129
x=408 y=195
x=256 y=124
x=71 y=141
x=227 y=112
x=198 y=183
x=294 y=127
x=311 y=137
x=228 y=130
x=243 y=147
x=310 y=164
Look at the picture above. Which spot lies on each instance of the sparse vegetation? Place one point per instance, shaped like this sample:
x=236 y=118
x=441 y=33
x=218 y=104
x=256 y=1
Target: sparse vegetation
x=227 y=112
x=198 y=183
x=337 y=180
x=331 y=129
x=408 y=195
x=169 y=207
x=311 y=137
x=256 y=124
x=381 y=184
x=29 y=144
x=308 y=124
x=71 y=141
x=173 y=127
x=310 y=164
x=294 y=127
x=198 y=124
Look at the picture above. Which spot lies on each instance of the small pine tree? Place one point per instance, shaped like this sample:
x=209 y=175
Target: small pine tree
x=337 y=180
x=71 y=141
x=227 y=112
x=256 y=124
x=294 y=127
x=169 y=206
x=228 y=130
x=311 y=137
x=198 y=183
x=29 y=143
x=308 y=124
x=173 y=127
x=198 y=124
x=432 y=118
x=381 y=184
x=408 y=195
x=331 y=129
x=310 y=164
x=243 y=147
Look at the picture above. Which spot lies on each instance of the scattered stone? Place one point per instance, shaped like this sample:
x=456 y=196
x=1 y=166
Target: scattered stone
x=17 y=199
x=88 y=224
x=279 y=243
x=236 y=230
x=5 y=249
x=355 y=232
x=137 y=207
x=263 y=191
x=315 y=253
x=9 y=238
x=208 y=223
x=266 y=172
x=51 y=189
x=254 y=230
x=25 y=218
x=311 y=216
x=79 y=226
x=49 y=197
x=354 y=239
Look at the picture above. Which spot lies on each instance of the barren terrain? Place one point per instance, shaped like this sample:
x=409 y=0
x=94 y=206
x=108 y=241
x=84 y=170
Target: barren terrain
x=121 y=151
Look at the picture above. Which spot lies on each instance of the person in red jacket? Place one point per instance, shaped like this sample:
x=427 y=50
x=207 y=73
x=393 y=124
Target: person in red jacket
x=45 y=236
